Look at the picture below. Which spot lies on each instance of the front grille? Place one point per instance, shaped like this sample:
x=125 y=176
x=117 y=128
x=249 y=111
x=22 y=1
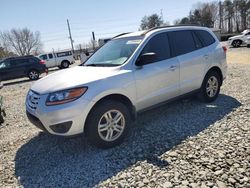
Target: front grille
x=33 y=99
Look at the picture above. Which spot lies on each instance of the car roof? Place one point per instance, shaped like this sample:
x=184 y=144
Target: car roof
x=21 y=57
x=156 y=29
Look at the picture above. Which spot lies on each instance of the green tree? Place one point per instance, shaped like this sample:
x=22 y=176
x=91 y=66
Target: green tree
x=152 y=21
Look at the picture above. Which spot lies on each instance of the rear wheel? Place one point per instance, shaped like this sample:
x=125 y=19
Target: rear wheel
x=210 y=88
x=65 y=64
x=108 y=124
x=236 y=43
x=33 y=75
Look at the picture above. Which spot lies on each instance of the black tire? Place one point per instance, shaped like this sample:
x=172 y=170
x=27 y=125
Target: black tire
x=248 y=45
x=33 y=75
x=96 y=116
x=64 y=64
x=2 y=115
x=206 y=96
x=236 y=43
x=1 y=118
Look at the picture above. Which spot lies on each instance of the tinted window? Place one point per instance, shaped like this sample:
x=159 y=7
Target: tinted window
x=159 y=45
x=18 y=62
x=32 y=60
x=197 y=41
x=205 y=37
x=43 y=57
x=61 y=54
x=182 y=41
x=4 y=64
x=248 y=33
x=50 y=56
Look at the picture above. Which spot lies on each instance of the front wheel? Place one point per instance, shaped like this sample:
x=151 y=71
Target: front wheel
x=108 y=124
x=210 y=88
x=33 y=75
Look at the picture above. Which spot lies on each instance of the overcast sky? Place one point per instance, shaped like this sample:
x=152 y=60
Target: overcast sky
x=106 y=18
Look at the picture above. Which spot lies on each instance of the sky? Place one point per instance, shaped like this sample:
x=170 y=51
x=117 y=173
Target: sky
x=106 y=18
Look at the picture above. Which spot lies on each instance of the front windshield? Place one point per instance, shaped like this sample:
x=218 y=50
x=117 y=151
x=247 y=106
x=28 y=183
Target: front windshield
x=115 y=52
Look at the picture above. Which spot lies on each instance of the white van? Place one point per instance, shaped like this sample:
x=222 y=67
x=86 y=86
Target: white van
x=60 y=59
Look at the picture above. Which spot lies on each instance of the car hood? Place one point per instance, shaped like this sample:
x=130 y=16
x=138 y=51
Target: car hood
x=73 y=77
x=236 y=37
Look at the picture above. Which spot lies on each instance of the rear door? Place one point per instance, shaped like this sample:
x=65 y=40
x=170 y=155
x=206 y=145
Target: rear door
x=188 y=49
x=18 y=67
x=51 y=60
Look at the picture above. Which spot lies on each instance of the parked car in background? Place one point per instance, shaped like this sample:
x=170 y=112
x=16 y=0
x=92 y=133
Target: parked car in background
x=129 y=74
x=23 y=66
x=238 y=40
x=60 y=59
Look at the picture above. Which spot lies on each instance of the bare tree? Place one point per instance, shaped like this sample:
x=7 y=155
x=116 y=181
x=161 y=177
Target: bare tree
x=22 y=41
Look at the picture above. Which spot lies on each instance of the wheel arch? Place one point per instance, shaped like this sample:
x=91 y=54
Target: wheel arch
x=218 y=70
x=115 y=97
x=65 y=60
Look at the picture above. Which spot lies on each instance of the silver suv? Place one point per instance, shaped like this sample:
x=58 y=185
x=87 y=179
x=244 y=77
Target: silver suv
x=130 y=73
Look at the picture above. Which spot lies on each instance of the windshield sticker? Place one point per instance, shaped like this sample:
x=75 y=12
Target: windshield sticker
x=134 y=42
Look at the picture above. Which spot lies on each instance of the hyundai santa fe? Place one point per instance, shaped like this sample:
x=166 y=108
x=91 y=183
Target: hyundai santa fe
x=127 y=75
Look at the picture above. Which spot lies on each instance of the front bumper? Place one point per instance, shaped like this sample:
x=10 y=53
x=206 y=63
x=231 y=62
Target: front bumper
x=63 y=120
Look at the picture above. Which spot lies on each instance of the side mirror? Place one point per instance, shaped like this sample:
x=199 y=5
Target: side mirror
x=87 y=53
x=146 y=58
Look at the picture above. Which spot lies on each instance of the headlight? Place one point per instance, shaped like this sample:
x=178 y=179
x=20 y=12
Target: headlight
x=65 y=96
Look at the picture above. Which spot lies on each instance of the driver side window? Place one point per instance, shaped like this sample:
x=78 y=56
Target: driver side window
x=159 y=45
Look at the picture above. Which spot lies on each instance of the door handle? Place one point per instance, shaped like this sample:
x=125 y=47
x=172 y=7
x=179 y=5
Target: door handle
x=172 y=67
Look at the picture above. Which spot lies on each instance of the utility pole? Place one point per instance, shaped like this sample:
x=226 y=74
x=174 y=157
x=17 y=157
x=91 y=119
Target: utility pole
x=220 y=15
x=70 y=36
x=161 y=14
x=93 y=37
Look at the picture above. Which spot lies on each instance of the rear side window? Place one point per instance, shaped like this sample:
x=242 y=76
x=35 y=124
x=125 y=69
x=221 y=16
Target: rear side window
x=197 y=41
x=62 y=54
x=32 y=60
x=182 y=41
x=159 y=45
x=205 y=37
x=18 y=62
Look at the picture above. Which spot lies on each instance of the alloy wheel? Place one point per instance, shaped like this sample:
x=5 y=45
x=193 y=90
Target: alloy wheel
x=111 y=125
x=212 y=86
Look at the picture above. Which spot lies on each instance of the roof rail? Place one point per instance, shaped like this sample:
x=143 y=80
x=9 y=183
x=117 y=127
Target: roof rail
x=169 y=26
x=121 y=35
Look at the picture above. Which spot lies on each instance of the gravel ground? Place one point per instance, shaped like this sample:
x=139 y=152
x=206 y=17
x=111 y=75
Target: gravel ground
x=182 y=144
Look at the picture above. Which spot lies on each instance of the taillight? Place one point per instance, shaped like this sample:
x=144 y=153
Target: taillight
x=42 y=62
x=224 y=48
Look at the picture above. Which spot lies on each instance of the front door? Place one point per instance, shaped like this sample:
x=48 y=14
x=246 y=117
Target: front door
x=158 y=80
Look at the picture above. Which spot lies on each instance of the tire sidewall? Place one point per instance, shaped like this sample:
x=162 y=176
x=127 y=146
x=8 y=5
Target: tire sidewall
x=203 y=94
x=91 y=129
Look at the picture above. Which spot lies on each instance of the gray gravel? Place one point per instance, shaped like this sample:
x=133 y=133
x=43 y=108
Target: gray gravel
x=185 y=144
